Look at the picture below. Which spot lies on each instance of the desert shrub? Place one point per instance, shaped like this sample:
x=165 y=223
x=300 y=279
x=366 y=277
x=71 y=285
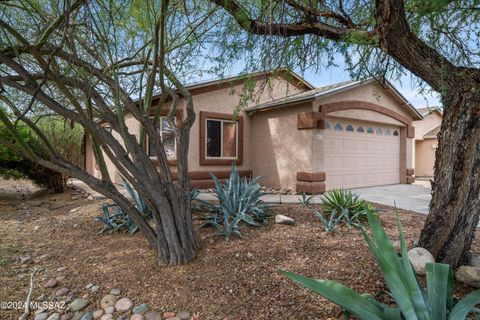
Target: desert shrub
x=413 y=302
x=66 y=141
x=238 y=203
x=305 y=199
x=347 y=202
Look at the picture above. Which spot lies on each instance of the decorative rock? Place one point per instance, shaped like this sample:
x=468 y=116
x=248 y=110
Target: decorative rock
x=87 y=316
x=94 y=289
x=108 y=300
x=141 y=308
x=66 y=316
x=26 y=260
x=60 y=278
x=61 y=292
x=51 y=283
x=54 y=316
x=78 y=304
x=183 y=315
x=62 y=269
x=97 y=314
x=475 y=261
x=88 y=286
x=115 y=291
x=152 y=315
x=169 y=314
x=281 y=219
x=249 y=256
x=137 y=317
x=77 y=316
x=123 y=305
x=109 y=310
x=40 y=310
x=469 y=275
x=107 y=316
x=41 y=316
x=419 y=257
x=122 y=318
x=174 y=318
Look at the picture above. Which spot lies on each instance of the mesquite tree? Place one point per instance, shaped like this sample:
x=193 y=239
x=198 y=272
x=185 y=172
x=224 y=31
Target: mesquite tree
x=91 y=60
x=436 y=40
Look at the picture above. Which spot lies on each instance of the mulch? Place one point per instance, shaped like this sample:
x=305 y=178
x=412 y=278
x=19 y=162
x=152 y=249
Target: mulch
x=237 y=279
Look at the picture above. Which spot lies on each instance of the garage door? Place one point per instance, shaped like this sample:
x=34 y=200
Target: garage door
x=361 y=154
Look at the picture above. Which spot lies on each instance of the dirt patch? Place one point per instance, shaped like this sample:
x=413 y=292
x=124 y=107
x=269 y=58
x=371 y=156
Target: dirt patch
x=228 y=280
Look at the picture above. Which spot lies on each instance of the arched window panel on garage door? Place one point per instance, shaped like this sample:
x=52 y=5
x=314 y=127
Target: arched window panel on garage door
x=370 y=130
x=349 y=127
x=379 y=131
x=338 y=127
x=360 y=129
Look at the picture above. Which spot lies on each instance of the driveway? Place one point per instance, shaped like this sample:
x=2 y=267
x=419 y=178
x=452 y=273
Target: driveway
x=414 y=197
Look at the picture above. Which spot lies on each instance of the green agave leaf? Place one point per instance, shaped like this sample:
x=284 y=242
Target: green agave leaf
x=341 y=295
x=464 y=306
x=438 y=275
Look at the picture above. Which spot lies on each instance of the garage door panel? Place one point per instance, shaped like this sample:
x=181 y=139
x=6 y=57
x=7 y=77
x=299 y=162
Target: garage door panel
x=356 y=159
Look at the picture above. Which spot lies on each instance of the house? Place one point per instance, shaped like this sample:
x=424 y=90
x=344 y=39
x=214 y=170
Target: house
x=298 y=137
x=426 y=142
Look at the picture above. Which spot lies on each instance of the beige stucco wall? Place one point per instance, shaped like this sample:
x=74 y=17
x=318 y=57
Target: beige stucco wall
x=224 y=100
x=425 y=157
x=278 y=149
x=428 y=123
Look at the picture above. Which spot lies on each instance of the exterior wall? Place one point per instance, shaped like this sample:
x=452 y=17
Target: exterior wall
x=278 y=149
x=429 y=122
x=425 y=157
x=223 y=100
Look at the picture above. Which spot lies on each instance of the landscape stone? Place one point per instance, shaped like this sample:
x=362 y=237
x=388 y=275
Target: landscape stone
x=115 y=291
x=77 y=316
x=88 y=286
x=54 y=316
x=469 y=276
x=26 y=260
x=94 y=289
x=41 y=316
x=87 y=316
x=249 y=256
x=61 y=292
x=281 y=219
x=123 y=305
x=51 y=283
x=475 y=261
x=62 y=269
x=174 y=318
x=169 y=314
x=39 y=310
x=137 y=317
x=152 y=315
x=66 y=316
x=184 y=315
x=141 y=308
x=419 y=257
x=78 y=304
x=108 y=300
x=107 y=316
x=97 y=314
x=122 y=318
x=110 y=310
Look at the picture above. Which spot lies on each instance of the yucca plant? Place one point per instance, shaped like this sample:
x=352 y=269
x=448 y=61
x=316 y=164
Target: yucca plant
x=305 y=200
x=349 y=203
x=413 y=302
x=238 y=201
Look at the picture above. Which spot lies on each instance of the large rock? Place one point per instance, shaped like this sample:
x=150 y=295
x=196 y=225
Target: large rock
x=419 y=257
x=54 y=316
x=141 y=308
x=469 y=276
x=281 y=219
x=108 y=300
x=474 y=261
x=123 y=305
x=41 y=316
x=78 y=304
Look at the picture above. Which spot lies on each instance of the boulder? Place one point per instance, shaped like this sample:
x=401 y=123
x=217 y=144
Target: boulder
x=108 y=300
x=281 y=219
x=469 y=276
x=419 y=257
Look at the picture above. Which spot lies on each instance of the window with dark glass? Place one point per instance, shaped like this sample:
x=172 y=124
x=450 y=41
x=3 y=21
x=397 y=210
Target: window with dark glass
x=168 y=138
x=221 y=139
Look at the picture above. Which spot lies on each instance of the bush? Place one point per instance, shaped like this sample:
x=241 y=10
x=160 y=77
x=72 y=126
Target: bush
x=436 y=302
x=67 y=142
x=238 y=201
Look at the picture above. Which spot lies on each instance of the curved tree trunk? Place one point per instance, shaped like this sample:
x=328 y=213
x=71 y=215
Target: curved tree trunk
x=455 y=207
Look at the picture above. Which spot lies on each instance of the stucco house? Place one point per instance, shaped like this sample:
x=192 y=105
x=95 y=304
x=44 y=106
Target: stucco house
x=426 y=143
x=298 y=137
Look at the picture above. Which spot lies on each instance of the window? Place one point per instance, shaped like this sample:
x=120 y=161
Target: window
x=338 y=127
x=379 y=131
x=349 y=128
x=327 y=125
x=221 y=139
x=370 y=130
x=388 y=132
x=168 y=139
x=360 y=129
x=395 y=133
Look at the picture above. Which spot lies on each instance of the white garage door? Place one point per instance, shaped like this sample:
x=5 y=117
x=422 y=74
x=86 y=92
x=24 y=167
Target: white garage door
x=361 y=154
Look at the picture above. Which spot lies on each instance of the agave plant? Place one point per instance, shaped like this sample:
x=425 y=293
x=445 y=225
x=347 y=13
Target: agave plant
x=332 y=222
x=349 y=203
x=305 y=200
x=413 y=302
x=238 y=201
x=140 y=204
x=115 y=219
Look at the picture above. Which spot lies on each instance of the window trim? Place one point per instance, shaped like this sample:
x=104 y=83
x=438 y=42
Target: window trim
x=204 y=160
x=147 y=143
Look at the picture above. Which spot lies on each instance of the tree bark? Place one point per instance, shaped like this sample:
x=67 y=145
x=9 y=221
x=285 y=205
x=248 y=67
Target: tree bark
x=455 y=207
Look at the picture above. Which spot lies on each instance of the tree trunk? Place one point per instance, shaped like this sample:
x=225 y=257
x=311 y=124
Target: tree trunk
x=455 y=207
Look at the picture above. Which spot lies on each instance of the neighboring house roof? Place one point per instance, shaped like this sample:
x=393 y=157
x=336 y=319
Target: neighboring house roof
x=317 y=93
x=432 y=133
x=427 y=110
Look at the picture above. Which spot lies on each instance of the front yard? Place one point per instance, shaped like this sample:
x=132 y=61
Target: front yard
x=237 y=279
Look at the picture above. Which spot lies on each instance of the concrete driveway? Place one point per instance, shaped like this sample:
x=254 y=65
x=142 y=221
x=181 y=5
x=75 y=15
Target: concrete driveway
x=414 y=197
